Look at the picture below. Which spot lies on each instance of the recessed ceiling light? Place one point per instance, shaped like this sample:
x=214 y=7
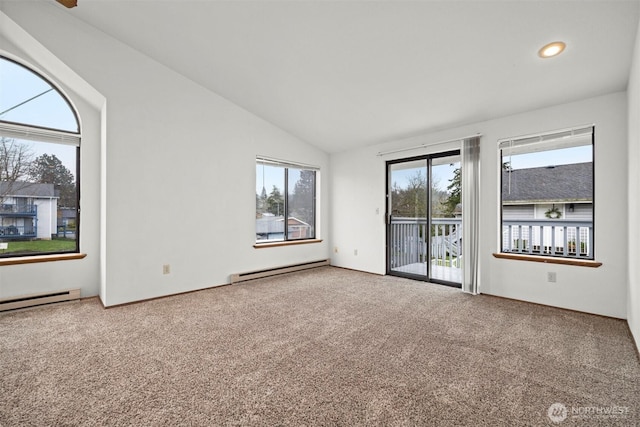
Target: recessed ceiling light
x=552 y=49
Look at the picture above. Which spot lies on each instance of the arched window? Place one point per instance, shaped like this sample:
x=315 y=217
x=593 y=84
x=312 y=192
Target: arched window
x=39 y=165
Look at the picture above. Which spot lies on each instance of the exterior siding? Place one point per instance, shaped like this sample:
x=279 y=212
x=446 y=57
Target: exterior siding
x=47 y=217
x=515 y=212
x=581 y=211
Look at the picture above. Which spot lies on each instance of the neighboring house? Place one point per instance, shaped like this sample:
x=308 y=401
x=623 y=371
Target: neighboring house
x=543 y=208
x=67 y=223
x=67 y=217
x=551 y=192
x=27 y=210
x=457 y=212
x=270 y=227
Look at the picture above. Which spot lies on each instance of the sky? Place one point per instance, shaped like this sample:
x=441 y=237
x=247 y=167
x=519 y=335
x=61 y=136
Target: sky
x=273 y=175
x=268 y=176
x=564 y=156
x=441 y=171
x=440 y=176
x=49 y=110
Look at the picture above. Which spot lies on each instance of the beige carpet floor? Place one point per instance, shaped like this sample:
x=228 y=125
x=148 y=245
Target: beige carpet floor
x=322 y=347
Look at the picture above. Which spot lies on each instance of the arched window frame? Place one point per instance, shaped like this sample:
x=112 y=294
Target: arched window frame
x=44 y=134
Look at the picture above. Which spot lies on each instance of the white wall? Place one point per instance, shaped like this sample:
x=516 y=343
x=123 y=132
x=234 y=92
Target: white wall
x=179 y=169
x=633 y=299
x=358 y=205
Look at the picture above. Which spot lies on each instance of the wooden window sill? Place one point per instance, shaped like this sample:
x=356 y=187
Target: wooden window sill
x=40 y=258
x=549 y=260
x=287 y=243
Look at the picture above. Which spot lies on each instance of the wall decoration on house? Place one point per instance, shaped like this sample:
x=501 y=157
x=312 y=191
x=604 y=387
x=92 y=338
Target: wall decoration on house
x=553 y=213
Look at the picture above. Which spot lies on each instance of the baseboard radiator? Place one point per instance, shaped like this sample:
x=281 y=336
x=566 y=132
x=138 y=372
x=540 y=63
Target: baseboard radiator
x=258 y=274
x=34 y=300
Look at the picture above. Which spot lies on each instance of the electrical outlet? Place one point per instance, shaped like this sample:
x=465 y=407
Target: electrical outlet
x=335 y=249
x=551 y=276
x=355 y=252
x=166 y=269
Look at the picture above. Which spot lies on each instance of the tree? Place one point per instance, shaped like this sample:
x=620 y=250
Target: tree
x=410 y=201
x=439 y=198
x=275 y=202
x=48 y=169
x=15 y=159
x=261 y=202
x=455 y=193
x=301 y=202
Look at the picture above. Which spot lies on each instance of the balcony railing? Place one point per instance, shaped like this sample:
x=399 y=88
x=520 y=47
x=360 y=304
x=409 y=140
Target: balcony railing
x=8 y=232
x=410 y=236
x=561 y=238
x=568 y=238
x=17 y=209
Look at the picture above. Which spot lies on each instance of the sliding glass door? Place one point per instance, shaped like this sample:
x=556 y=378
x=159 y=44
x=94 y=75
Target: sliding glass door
x=424 y=218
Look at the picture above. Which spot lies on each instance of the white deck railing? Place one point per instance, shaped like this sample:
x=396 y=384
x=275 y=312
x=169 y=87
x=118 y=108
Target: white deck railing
x=568 y=238
x=561 y=238
x=409 y=237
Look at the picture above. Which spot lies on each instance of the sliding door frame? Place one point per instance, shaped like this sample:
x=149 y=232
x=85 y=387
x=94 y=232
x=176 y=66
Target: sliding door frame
x=389 y=215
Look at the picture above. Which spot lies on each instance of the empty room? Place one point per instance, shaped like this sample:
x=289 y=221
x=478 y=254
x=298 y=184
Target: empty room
x=319 y=212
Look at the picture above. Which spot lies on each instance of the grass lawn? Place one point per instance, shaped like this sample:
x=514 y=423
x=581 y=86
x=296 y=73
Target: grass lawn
x=26 y=246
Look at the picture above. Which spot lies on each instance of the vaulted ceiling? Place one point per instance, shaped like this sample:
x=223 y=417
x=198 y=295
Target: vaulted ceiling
x=342 y=74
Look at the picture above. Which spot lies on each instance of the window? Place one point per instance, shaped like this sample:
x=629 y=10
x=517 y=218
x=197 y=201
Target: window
x=547 y=194
x=285 y=191
x=39 y=164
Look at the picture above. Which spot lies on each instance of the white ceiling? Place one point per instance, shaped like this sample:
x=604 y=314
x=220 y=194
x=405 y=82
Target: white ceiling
x=353 y=73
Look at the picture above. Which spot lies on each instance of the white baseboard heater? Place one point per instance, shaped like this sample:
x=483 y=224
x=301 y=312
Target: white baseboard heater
x=33 y=300
x=258 y=274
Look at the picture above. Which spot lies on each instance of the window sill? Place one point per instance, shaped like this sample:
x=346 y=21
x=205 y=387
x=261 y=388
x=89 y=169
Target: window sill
x=40 y=258
x=289 y=243
x=549 y=260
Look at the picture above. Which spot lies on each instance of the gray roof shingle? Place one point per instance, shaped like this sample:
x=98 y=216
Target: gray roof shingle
x=564 y=183
x=27 y=189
